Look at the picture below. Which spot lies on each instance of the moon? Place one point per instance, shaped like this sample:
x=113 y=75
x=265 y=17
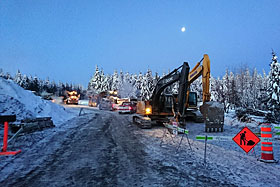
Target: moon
x=183 y=29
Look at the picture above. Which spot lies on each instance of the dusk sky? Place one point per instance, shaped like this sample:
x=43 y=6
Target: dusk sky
x=65 y=39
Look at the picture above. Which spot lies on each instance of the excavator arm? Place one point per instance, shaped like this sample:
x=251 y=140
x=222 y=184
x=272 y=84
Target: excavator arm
x=203 y=70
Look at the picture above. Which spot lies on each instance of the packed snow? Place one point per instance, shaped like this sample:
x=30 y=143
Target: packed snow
x=24 y=104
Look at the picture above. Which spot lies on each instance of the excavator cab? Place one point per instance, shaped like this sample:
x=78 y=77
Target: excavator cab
x=192 y=101
x=166 y=103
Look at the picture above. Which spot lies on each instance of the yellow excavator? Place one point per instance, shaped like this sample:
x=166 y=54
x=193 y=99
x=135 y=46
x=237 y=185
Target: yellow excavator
x=183 y=106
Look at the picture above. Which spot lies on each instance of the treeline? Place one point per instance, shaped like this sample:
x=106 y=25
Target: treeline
x=128 y=85
x=40 y=86
x=244 y=88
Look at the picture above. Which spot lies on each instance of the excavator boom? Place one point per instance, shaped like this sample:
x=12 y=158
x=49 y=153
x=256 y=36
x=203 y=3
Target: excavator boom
x=203 y=70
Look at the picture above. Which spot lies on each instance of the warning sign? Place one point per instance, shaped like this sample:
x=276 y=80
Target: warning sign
x=246 y=139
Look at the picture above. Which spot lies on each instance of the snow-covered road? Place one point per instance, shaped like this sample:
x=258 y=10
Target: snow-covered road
x=103 y=148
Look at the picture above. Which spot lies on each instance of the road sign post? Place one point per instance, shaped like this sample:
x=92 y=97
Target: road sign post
x=206 y=138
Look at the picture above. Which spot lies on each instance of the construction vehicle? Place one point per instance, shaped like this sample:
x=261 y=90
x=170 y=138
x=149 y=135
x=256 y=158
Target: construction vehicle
x=182 y=106
x=72 y=97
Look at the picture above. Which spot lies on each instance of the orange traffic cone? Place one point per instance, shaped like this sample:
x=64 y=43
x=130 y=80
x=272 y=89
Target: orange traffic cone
x=266 y=144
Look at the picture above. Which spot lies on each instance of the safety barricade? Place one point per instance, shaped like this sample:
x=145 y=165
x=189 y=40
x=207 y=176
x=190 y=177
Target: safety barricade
x=266 y=144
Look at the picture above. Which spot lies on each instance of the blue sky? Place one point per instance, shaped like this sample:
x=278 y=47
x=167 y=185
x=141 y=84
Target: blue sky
x=65 y=39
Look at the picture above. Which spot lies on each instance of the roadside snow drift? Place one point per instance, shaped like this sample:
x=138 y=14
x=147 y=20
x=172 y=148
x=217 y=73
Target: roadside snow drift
x=24 y=104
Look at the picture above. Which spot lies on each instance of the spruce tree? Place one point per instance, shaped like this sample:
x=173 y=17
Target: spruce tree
x=25 y=82
x=35 y=84
x=94 y=85
x=103 y=84
x=18 y=78
x=147 y=85
x=274 y=85
x=115 y=81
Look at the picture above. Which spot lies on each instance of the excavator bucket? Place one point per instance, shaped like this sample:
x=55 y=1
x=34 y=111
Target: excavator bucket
x=213 y=113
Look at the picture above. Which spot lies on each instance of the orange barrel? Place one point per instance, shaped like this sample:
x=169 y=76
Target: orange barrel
x=266 y=143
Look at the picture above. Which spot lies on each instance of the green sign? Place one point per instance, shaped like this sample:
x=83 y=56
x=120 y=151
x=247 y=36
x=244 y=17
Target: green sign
x=204 y=137
x=215 y=138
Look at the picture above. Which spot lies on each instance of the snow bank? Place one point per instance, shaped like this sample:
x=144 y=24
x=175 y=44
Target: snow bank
x=24 y=104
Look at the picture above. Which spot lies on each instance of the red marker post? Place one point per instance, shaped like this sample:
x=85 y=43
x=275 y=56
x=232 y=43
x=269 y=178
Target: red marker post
x=6 y=120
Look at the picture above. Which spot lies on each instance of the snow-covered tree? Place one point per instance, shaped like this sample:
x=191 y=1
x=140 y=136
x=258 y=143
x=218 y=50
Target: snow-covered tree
x=264 y=97
x=94 y=85
x=226 y=91
x=25 y=82
x=35 y=84
x=61 y=89
x=134 y=78
x=147 y=85
x=46 y=87
x=255 y=89
x=18 y=78
x=217 y=90
x=121 y=79
x=127 y=77
x=115 y=81
x=138 y=84
x=232 y=91
x=107 y=80
x=53 y=87
x=156 y=79
x=8 y=76
x=127 y=89
x=274 y=84
x=103 y=84
x=196 y=86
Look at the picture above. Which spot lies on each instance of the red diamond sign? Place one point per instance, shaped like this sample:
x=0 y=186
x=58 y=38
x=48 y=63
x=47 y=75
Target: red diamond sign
x=246 y=139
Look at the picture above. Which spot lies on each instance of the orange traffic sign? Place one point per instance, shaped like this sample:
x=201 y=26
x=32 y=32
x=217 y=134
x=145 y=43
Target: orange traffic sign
x=246 y=139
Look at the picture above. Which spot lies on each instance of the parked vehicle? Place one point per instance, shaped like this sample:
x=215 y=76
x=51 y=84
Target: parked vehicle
x=127 y=107
x=92 y=102
x=115 y=106
x=105 y=104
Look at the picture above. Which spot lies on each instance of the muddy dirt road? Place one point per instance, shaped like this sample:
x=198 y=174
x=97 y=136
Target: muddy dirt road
x=101 y=149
